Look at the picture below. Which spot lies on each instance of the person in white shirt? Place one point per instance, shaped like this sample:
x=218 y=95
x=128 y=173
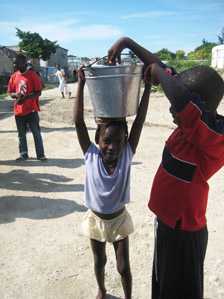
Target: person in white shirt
x=60 y=73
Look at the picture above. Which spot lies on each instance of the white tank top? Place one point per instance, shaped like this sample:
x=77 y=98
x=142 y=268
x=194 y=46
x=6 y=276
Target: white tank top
x=106 y=193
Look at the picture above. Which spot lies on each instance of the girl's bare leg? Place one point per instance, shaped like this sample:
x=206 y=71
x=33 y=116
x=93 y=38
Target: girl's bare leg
x=121 y=248
x=99 y=254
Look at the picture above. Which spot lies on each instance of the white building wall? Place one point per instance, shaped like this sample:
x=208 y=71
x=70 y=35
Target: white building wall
x=218 y=57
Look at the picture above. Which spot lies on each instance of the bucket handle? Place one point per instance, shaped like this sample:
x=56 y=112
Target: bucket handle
x=98 y=59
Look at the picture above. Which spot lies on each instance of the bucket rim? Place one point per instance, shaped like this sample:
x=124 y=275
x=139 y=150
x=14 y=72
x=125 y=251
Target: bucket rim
x=114 y=76
x=98 y=66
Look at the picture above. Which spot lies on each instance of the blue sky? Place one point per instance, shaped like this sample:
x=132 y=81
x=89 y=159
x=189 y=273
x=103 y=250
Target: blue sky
x=89 y=28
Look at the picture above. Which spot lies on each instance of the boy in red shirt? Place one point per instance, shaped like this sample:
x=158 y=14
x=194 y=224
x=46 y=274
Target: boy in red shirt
x=25 y=87
x=192 y=154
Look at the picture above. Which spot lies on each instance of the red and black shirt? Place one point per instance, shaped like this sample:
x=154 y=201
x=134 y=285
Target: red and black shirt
x=192 y=154
x=25 y=83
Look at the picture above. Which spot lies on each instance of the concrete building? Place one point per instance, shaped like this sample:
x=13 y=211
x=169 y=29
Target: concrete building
x=74 y=62
x=48 y=68
x=218 y=57
x=6 y=61
x=14 y=48
x=35 y=61
x=59 y=57
x=6 y=67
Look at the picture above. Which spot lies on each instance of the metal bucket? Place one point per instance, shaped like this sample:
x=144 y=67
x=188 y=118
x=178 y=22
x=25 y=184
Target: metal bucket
x=114 y=90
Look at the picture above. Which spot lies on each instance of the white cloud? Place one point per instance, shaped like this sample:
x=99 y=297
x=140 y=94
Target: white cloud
x=96 y=32
x=148 y=14
x=62 y=31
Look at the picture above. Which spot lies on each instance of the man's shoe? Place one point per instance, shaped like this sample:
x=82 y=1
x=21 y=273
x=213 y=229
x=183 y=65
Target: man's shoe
x=23 y=157
x=43 y=158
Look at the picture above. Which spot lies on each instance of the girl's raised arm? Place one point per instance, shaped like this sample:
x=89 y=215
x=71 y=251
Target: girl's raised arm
x=78 y=117
x=140 y=117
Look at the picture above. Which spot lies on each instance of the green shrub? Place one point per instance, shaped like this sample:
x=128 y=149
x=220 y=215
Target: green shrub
x=181 y=65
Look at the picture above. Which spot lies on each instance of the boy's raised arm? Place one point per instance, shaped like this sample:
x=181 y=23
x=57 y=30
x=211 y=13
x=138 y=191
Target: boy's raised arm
x=140 y=117
x=172 y=86
x=80 y=125
x=125 y=42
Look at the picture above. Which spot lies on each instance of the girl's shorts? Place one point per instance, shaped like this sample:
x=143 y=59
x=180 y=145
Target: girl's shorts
x=104 y=230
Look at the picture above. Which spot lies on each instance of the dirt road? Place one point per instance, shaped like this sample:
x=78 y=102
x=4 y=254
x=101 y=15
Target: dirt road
x=42 y=255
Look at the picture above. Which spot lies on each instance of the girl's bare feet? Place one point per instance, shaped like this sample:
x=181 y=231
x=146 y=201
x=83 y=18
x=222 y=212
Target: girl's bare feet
x=101 y=294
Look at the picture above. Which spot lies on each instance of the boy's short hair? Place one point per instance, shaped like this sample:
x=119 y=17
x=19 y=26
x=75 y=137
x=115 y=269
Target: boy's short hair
x=206 y=82
x=20 y=56
x=122 y=124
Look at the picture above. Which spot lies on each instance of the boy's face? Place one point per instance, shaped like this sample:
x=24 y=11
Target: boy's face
x=111 y=143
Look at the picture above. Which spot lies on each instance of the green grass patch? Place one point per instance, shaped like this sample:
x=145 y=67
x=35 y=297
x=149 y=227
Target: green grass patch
x=3 y=95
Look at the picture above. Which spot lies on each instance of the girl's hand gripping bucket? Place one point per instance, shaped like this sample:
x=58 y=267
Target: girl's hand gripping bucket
x=114 y=90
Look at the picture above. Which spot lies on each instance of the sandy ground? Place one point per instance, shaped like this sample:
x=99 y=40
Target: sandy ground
x=41 y=206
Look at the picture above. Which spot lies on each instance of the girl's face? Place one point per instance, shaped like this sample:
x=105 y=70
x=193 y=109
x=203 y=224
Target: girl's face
x=111 y=143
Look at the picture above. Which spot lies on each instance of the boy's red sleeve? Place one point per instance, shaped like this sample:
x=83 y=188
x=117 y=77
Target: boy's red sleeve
x=202 y=128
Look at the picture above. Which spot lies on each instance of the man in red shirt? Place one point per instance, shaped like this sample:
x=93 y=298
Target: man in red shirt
x=25 y=87
x=192 y=154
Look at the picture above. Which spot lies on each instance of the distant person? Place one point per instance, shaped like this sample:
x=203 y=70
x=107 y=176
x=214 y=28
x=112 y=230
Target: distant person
x=25 y=87
x=63 y=88
x=193 y=153
x=107 y=186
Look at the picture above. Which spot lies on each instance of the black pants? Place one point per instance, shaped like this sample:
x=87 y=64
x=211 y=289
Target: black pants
x=31 y=121
x=178 y=264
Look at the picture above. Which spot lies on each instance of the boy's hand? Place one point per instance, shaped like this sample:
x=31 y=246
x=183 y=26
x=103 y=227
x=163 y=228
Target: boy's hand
x=150 y=74
x=19 y=97
x=114 y=53
x=16 y=95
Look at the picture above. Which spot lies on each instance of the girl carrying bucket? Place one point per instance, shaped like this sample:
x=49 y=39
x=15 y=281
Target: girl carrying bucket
x=107 y=185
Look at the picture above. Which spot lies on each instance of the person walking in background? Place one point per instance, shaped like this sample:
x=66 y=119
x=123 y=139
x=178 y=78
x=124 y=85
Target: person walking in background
x=25 y=87
x=193 y=153
x=62 y=87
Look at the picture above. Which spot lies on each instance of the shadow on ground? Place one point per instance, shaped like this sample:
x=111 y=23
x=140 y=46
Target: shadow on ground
x=136 y=163
x=6 y=107
x=108 y=296
x=23 y=180
x=66 y=129
x=63 y=163
x=48 y=130
x=12 y=207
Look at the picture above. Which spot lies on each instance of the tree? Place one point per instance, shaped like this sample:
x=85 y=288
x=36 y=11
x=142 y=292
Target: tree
x=221 y=36
x=35 y=46
x=165 y=54
x=203 y=52
x=180 y=54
